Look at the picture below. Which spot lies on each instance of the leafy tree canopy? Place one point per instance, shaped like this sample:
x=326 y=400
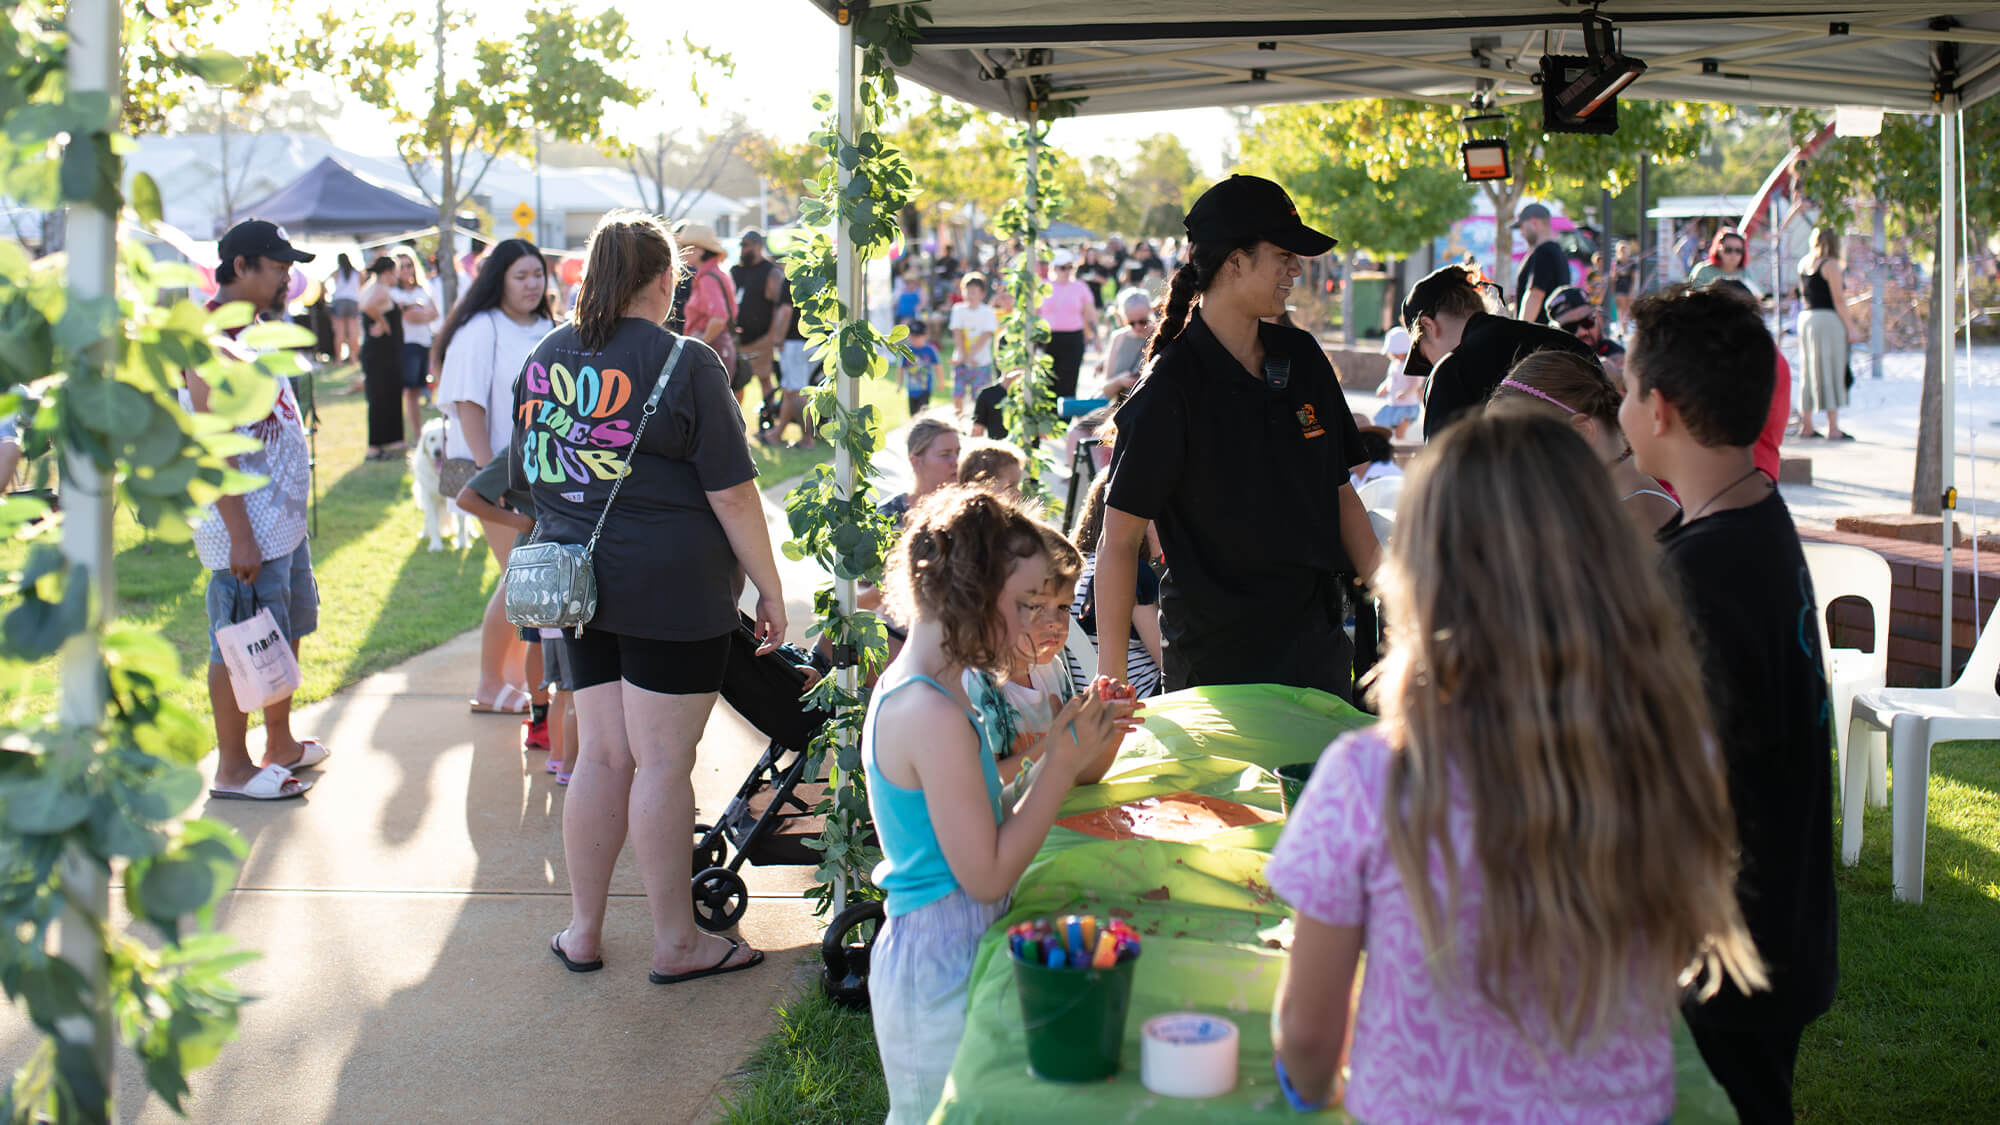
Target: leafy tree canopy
x=1319 y=153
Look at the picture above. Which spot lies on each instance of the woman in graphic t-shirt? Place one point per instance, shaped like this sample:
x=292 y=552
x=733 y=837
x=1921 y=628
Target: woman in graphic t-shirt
x=688 y=521
x=498 y=320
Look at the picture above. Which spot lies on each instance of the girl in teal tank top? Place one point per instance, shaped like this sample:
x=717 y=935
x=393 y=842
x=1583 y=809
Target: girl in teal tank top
x=968 y=576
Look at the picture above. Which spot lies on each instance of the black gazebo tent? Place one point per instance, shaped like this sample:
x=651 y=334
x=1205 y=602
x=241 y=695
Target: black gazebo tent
x=332 y=198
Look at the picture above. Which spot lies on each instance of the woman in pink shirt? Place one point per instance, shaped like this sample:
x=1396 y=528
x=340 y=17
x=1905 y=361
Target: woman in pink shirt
x=711 y=301
x=1532 y=847
x=1071 y=313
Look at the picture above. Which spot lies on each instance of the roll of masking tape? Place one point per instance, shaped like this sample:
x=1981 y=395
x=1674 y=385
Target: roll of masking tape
x=1188 y=1055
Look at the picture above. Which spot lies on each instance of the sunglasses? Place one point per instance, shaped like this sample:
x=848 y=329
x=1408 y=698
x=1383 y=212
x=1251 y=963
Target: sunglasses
x=1732 y=249
x=1575 y=326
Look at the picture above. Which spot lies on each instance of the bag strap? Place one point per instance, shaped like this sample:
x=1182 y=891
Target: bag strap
x=652 y=405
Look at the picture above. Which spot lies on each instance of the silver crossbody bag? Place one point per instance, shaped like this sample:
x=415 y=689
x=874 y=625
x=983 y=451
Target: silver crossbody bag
x=553 y=585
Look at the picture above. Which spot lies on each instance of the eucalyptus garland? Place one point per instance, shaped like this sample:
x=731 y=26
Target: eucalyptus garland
x=863 y=187
x=1030 y=409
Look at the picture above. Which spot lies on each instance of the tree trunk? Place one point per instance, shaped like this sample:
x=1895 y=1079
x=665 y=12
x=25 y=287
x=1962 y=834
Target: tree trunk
x=1504 y=203
x=222 y=142
x=447 y=182
x=1927 y=485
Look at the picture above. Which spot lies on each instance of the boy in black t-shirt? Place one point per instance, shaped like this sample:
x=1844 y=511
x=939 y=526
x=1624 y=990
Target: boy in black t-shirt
x=1697 y=387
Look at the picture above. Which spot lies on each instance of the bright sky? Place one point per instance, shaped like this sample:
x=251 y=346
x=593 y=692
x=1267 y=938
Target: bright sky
x=784 y=54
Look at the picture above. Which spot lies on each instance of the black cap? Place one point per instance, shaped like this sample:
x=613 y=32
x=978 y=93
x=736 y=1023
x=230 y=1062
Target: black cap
x=1531 y=211
x=1566 y=300
x=1425 y=295
x=1241 y=208
x=255 y=238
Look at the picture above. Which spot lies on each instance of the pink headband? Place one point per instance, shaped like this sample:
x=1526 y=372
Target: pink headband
x=1528 y=390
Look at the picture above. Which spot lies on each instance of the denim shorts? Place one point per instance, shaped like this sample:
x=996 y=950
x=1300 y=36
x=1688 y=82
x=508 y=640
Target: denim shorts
x=416 y=366
x=1394 y=414
x=285 y=586
x=794 y=372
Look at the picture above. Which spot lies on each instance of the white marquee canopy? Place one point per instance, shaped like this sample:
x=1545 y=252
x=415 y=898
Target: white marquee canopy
x=1024 y=57
x=1118 y=56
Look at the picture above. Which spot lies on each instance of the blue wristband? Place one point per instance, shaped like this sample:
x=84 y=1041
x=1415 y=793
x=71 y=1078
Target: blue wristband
x=1292 y=1097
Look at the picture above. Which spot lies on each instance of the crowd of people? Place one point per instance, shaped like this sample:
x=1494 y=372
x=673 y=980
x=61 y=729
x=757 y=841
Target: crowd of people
x=1598 y=792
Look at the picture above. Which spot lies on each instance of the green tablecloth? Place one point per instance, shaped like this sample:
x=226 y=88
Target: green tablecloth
x=1212 y=929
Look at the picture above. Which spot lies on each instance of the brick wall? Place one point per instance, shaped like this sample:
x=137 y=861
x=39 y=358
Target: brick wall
x=1915 y=605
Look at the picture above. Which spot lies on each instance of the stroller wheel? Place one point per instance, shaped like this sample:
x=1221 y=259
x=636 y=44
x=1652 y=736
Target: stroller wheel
x=711 y=854
x=720 y=898
x=844 y=951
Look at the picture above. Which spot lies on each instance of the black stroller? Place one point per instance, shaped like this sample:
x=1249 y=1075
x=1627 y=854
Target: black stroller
x=771 y=817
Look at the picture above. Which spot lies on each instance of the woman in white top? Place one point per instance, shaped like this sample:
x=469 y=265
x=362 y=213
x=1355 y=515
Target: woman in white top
x=420 y=315
x=497 y=322
x=344 y=294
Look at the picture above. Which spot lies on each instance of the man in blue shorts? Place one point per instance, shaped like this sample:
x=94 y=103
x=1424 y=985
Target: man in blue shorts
x=254 y=545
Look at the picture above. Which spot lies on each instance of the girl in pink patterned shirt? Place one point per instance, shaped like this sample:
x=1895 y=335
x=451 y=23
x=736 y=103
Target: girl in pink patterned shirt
x=1533 y=847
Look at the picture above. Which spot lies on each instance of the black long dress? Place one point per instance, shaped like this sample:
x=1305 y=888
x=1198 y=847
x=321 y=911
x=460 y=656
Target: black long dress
x=382 y=379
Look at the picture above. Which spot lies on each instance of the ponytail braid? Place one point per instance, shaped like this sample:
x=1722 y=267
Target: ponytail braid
x=1173 y=311
x=1204 y=264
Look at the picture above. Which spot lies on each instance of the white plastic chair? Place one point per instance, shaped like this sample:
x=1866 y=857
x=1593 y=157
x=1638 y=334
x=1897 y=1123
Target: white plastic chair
x=1383 y=521
x=1382 y=492
x=1916 y=719
x=1839 y=571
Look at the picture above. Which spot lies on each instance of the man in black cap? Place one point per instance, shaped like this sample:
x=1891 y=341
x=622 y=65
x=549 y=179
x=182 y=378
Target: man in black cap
x=1570 y=310
x=254 y=545
x=1464 y=347
x=1238 y=445
x=1546 y=268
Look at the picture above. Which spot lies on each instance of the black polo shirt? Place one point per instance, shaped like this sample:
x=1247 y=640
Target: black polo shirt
x=1488 y=350
x=1243 y=481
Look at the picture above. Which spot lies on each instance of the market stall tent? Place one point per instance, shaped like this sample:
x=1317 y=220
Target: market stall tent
x=1120 y=56
x=1041 y=58
x=332 y=198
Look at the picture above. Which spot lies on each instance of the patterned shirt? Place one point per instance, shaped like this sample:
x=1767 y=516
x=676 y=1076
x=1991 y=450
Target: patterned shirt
x=1425 y=1054
x=277 y=511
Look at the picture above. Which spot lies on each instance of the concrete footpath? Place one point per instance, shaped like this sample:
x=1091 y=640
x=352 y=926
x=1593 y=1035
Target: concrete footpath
x=404 y=909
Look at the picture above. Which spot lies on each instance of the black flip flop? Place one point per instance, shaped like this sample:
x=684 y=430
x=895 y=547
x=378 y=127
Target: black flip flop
x=555 y=947
x=715 y=970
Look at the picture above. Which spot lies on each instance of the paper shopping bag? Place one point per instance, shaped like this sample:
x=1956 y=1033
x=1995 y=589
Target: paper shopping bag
x=262 y=669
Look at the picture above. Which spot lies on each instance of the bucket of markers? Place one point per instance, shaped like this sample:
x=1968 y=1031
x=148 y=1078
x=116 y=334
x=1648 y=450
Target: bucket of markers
x=1075 y=978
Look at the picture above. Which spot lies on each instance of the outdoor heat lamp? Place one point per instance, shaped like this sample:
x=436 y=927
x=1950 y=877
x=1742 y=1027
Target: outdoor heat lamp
x=1579 y=92
x=1483 y=155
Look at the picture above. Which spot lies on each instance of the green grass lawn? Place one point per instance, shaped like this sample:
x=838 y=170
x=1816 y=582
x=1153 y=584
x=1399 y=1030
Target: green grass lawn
x=1914 y=1035
x=817 y=1068
x=383 y=596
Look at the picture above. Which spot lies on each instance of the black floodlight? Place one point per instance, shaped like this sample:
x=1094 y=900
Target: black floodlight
x=1483 y=155
x=1580 y=92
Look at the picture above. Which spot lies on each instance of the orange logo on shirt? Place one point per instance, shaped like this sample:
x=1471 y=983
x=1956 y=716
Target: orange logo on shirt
x=1309 y=422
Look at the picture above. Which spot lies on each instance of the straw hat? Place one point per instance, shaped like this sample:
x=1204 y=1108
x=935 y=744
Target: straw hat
x=698 y=234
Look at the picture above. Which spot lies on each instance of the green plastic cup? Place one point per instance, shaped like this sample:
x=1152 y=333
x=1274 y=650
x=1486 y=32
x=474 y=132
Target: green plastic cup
x=1075 y=1019
x=1292 y=782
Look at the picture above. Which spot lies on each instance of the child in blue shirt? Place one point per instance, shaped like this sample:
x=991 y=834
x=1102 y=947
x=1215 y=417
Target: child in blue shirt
x=920 y=370
x=969 y=575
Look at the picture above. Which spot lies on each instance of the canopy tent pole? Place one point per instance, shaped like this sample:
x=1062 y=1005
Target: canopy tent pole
x=1947 y=305
x=94 y=34
x=846 y=387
